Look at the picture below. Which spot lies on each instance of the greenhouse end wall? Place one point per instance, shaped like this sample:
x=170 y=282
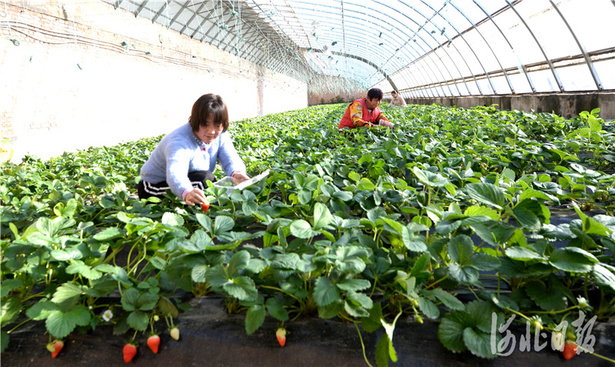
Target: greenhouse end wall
x=76 y=75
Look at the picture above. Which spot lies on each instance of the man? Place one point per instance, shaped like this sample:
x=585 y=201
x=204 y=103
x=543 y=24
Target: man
x=397 y=100
x=365 y=112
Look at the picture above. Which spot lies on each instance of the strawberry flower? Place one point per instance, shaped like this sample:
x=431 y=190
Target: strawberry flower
x=107 y=315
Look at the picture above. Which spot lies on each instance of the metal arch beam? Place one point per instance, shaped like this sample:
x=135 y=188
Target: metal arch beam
x=426 y=53
x=200 y=26
x=417 y=35
x=362 y=59
x=427 y=20
x=375 y=16
x=588 y=61
x=194 y=15
x=214 y=25
x=118 y=3
x=521 y=66
x=162 y=8
x=472 y=49
x=383 y=72
x=459 y=34
x=138 y=11
x=559 y=82
x=439 y=12
x=492 y=52
x=250 y=17
x=430 y=20
x=181 y=9
x=349 y=18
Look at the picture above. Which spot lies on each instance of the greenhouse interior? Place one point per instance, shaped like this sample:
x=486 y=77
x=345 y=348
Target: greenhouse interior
x=307 y=182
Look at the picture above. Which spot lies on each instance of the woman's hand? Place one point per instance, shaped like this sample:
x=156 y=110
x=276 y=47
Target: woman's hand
x=239 y=177
x=196 y=196
x=386 y=123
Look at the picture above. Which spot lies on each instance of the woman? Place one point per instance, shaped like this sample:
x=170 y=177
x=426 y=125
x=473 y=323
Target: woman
x=397 y=100
x=365 y=112
x=185 y=158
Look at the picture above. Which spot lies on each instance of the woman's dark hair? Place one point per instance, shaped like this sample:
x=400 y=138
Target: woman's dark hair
x=204 y=106
x=375 y=93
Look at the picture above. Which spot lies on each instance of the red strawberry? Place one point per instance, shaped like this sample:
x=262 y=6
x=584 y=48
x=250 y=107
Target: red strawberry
x=281 y=335
x=55 y=347
x=205 y=206
x=130 y=351
x=153 y=342
x=570 y=349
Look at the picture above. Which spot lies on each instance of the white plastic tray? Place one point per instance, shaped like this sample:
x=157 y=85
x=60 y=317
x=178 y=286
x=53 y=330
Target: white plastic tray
x=227 y=183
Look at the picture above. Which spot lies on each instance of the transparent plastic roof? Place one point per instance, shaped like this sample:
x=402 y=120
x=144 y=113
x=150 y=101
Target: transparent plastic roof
x=423 y=48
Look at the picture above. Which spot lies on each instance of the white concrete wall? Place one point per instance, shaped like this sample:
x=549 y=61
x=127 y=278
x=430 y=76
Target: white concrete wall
x=67 y=83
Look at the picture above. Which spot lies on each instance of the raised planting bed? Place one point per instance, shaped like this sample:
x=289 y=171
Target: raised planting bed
x=211 y=336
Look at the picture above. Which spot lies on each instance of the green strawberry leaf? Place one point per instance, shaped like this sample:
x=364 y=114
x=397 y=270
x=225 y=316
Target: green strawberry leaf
x=382 y=351
x=573 y=259
x=446 y=298
x=463 y=274
x=275 y=307
x=548 y=298
x=205 y=221
x=67 y=294
x=8 y=285
x=325 y=292
x=11 y=307
x=362 y=299
x=84 y=270
x=605 y=278
x=413 y=241
x=138 y=320
x=301 y=228
x=428 y=308
x=166 y=307
x=4 y=341
x=372 y=322
x=109 y=234
x=255 y=317
x=223 y=224
x=523 y=254
x=242 y=288
x=460 y=248
x=479 y=343
x=486 y=193
x=60 y=323
x=526 y=214
x=484 y=262
x=451 y=328
x=199 y=273
x=354 y=308
x=353 y=284
x=238 y=262
x=331 y=310
x=322 y=216
x=41 y=310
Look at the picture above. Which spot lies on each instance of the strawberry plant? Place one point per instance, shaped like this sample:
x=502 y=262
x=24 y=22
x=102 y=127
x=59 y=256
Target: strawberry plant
x=454 y=216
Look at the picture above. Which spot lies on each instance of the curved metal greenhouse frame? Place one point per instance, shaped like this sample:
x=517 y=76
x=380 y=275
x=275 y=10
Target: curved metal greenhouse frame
x=424 y=48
